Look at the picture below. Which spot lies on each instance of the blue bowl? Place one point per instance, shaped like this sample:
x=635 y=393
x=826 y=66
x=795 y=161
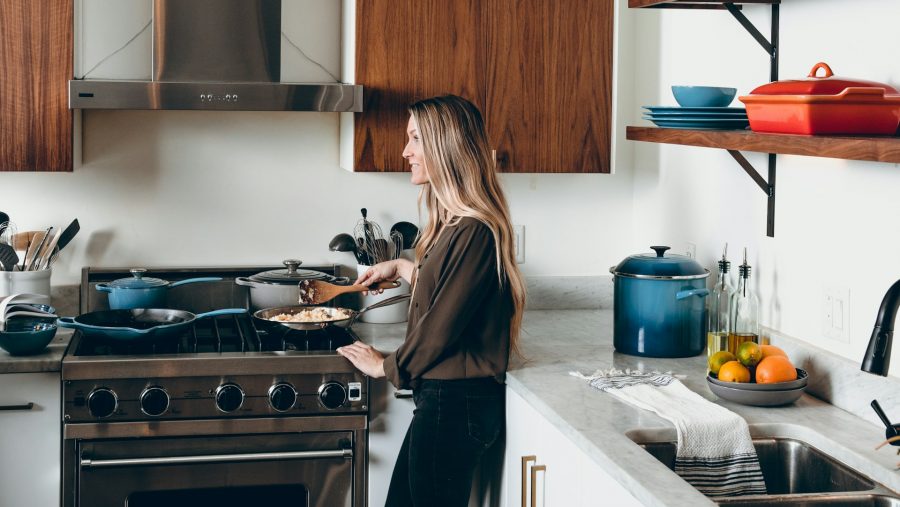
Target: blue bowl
x=703 y=96
x=27 y=336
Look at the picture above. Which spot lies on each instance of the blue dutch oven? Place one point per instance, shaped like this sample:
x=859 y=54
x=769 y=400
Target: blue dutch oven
x=659 y=305
x=142 y=292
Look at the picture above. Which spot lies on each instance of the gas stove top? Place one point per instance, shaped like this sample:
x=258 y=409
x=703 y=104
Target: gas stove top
x=220 y=367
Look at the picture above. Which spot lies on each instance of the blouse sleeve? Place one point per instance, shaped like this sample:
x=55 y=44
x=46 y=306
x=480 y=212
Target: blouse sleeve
x=468 y=269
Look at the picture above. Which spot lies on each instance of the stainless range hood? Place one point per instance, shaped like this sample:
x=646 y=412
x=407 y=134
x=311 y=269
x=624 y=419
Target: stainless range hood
x=215 y=55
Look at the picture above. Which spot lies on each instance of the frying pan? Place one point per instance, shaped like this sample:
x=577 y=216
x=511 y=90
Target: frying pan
x=261 y=317
x=138 y=324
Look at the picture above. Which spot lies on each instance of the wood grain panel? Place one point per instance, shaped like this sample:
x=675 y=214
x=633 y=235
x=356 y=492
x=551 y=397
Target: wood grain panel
x=880 y=149
x=408 y=50
x=36 y=59
x=548 y=84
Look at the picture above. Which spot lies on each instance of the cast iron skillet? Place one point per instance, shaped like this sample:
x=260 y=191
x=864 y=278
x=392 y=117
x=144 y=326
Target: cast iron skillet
x=138 y=324
x=261 y=317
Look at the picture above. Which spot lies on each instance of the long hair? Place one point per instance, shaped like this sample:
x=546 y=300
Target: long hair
x=463 y=183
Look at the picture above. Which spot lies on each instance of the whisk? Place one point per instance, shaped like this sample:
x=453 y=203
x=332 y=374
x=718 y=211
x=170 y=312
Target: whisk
x=370 y=240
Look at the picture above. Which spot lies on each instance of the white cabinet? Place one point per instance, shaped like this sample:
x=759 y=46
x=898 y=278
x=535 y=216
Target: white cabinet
x=389 y=418
x=30 y=439
x=540 y=460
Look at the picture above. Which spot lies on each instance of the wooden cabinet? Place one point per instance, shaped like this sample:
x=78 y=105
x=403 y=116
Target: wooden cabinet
x=30 y=439
x=541 y=72
x=35 y=120
x=543 y=468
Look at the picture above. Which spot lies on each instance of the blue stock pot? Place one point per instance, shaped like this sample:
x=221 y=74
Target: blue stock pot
x=659 y=305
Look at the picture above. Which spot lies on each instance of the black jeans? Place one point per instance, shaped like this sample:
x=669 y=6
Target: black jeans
x=454 y=423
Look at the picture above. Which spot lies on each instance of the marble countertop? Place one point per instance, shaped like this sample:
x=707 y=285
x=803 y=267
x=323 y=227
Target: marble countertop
x=557 y=342
x=48 y=361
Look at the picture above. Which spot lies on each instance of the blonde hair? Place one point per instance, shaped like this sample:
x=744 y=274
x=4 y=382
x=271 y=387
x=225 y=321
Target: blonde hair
x=463 y=183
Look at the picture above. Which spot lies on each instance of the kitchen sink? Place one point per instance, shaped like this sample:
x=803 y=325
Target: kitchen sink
x=789 y=467
x=796 y=474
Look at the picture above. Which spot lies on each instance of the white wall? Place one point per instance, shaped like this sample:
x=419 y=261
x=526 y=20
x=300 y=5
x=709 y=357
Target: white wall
x=836 y=221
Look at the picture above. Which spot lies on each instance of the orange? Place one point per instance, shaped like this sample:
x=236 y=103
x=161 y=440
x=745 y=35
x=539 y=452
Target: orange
x=718 y=359
x=733 y=371
x=749 y=353
x=774 y=369
x=771 y=350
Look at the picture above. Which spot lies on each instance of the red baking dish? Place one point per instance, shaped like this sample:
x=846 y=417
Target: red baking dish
x=824 y=105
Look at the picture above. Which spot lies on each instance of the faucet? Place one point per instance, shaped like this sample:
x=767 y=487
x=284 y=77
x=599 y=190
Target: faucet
x=878 y=354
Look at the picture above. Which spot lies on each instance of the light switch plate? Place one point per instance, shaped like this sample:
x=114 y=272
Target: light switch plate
x=519 y=231
x=836 y=313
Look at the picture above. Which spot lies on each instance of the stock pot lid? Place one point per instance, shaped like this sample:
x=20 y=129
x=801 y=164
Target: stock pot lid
x=138 y=281
x=658 y=265
x=290 y=275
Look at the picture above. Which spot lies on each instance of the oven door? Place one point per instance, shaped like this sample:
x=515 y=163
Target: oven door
x=297 y=469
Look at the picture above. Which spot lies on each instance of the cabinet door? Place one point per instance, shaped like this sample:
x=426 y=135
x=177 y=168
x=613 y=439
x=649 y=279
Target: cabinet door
x=547 y=70
x=35 y=120
x=389 y=418
x=30 y=439
x=408 y=50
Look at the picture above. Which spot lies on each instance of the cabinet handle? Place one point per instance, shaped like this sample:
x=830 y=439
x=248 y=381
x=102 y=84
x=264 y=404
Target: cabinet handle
x=534 y=470
x=525 y=460
x=27 y=406
x=402 y=395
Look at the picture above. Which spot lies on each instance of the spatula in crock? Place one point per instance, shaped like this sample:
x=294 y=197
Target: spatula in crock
x=314 y=292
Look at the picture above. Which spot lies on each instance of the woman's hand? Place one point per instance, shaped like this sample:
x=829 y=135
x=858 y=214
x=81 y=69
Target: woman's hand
x=364 y=357
x=387 y=270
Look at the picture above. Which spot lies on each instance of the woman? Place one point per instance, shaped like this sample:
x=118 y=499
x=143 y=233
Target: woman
x=466 y=308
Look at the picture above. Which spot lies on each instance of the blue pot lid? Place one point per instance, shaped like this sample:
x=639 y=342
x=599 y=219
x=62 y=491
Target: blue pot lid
x=138 y=281
x=659 y=265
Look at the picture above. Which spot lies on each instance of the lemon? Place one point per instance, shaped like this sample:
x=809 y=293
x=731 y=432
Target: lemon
x=749 y=353
x=718 y=359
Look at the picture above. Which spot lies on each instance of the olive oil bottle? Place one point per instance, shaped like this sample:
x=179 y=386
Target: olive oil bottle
x=743 y=311
x=719 y=300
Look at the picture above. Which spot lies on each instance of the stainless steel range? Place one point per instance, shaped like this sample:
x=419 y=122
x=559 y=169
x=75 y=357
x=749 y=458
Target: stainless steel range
x=223 y=415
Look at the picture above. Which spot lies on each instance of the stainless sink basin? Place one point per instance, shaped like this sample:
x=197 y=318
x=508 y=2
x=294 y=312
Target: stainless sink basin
x=789 y=467
x=797 y=475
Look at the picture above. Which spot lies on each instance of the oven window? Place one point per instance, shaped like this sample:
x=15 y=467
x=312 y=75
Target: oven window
x=258 y=496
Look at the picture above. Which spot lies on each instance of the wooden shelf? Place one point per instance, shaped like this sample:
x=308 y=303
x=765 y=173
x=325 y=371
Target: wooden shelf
x=877 y=149
x=693 y=4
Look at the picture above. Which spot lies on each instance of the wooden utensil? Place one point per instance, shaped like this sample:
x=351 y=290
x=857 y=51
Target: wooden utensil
x=314 y=292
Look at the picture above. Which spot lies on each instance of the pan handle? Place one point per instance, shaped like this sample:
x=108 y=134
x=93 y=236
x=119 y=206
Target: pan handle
x=684 y=294
x=225 y=311
x=195 y=280
x=386 y=302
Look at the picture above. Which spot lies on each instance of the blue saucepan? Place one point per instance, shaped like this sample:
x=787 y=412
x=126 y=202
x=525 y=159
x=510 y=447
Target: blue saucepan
x=142 y=292
x=138 y=324
x=659 y=307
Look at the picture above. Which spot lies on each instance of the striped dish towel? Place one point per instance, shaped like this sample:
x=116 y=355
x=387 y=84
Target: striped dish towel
x=715 y=453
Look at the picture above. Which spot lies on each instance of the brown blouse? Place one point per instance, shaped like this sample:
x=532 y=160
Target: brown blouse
x=459 y=315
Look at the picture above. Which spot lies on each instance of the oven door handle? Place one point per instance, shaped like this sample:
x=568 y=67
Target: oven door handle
x=215 y=458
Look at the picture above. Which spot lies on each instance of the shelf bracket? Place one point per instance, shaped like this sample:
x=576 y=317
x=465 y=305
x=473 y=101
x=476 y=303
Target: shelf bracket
x=771 y=47
x=767 y=185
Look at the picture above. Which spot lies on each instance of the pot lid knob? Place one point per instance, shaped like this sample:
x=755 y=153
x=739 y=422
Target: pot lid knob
x=660 y=250
x=138 y=272
x=292 y=265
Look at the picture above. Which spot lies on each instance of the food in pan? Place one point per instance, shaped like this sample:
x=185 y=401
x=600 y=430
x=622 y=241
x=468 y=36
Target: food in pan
x=320 y=314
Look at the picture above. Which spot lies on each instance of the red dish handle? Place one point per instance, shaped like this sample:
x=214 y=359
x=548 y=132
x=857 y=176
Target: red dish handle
x=821 y=65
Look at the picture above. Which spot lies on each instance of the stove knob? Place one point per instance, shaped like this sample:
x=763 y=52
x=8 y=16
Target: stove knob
x=154 y=401
x=229 y=397
x=102 y=402
x=332 y=395
x=282 y=396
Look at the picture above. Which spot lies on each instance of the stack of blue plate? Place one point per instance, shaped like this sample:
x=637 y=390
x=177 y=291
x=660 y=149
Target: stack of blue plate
x=703 y=118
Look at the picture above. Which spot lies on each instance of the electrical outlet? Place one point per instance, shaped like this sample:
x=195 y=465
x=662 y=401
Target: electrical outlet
x=836 y=313
x=519 y=231
x=690 y=249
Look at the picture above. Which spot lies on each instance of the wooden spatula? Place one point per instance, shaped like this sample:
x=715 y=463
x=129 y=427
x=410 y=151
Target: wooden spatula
x=314 y=292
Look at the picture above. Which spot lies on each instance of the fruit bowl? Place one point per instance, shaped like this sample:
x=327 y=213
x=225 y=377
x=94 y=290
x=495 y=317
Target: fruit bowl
x=754 y=397
x=802 y=377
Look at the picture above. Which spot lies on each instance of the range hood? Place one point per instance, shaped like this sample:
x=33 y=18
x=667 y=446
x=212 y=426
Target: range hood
x=215 y=55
